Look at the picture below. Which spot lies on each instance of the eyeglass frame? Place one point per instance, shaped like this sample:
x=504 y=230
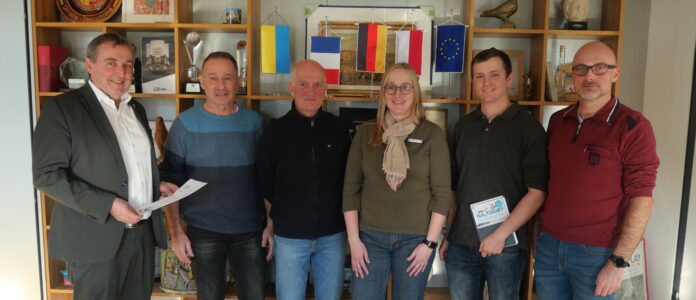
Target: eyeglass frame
x=400 y=88
x=592 y=67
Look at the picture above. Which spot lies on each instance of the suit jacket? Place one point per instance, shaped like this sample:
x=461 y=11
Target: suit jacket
x=78 y=163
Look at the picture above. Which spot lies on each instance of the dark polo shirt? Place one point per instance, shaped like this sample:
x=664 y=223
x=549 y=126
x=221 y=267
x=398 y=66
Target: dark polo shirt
x=505 y=156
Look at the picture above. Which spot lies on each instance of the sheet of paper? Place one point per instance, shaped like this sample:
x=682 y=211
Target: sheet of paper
x=190 y=187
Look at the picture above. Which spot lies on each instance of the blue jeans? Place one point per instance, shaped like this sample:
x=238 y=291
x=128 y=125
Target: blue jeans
x=467 y=272
x=293 y=257
x=567 y=270
x=388 y=253
x=212 y=251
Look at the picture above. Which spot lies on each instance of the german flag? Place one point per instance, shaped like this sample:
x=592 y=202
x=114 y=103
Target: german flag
x=372 y=48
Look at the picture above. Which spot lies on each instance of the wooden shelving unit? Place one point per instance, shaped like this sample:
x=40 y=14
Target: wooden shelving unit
x=539 y=35
x=48 y=29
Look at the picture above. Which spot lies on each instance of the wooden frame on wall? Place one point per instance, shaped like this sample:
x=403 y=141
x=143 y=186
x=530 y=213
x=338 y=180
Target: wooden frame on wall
x=137 y=11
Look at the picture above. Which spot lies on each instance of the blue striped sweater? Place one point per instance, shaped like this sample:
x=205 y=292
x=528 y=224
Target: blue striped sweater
x=219 y=150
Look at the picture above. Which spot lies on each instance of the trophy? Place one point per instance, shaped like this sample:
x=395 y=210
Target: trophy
x=575 y=12
x=241 y=66
x=73 y=73
x=193 y=45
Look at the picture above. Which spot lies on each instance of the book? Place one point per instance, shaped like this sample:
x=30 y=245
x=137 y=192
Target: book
x=488 y=215
x=158 y=65
x=635 y=281
x=50 y=58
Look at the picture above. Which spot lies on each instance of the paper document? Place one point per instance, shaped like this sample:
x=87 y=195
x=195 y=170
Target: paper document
x=190 y=187
x=488 y=215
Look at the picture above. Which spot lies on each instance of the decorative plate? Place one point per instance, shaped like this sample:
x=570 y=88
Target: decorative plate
x=88 y=10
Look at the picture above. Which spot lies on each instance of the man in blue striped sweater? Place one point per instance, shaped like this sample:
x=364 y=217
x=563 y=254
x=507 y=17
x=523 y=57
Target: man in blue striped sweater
x=216 y=143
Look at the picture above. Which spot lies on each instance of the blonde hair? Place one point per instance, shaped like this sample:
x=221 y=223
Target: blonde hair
x=416 y=108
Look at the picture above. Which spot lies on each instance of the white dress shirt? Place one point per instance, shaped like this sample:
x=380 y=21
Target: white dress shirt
x=134 y=144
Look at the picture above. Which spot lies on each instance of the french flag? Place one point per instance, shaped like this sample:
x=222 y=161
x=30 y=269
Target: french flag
x=326 y=50
x=409 y=48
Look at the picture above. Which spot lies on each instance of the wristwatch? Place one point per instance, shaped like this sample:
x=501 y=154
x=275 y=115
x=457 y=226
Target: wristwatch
x=619 y=261
x=430 y=244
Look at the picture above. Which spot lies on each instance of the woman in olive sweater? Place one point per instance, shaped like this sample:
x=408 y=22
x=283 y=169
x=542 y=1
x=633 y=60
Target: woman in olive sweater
x=398 y=181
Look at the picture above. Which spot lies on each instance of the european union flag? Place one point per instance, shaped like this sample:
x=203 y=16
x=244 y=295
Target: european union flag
x=449 y=55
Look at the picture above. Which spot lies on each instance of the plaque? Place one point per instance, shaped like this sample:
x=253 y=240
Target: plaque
x=158 y=65
x=88 y=11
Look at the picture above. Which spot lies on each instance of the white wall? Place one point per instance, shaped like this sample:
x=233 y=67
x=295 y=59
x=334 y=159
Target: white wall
x=19 y=254
x=635 y=42
x=668 y=78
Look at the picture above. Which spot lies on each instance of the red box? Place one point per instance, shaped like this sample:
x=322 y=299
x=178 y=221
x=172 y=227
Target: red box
x=50 y=58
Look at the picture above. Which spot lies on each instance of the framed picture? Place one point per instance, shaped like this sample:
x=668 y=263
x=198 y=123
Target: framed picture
x=516 y=91
x=158 y=65
x=635 y=281
x=343 y=21
x=147 y=11
x=437 y=116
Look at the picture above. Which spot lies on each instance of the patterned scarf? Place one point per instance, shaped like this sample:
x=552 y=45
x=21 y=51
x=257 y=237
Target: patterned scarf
x=396 y=162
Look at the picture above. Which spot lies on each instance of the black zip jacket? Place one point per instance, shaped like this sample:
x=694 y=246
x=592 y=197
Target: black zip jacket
x=300 y=164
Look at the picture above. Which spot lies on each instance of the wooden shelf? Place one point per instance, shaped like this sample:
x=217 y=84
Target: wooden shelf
x=555 y=103
x=581 y=34
x=74 y=26
x=231 y=28
x=507 y=33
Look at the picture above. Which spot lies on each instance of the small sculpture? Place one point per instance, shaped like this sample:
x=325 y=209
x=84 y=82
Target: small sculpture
x=527 y=83
x=575 y=11
x=503 y=12
x=161 y=134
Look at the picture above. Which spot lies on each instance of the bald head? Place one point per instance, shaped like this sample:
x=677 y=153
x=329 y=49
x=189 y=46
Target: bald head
x=306 y=66
x=599 y=61
x=308 y=87
x=596 y=51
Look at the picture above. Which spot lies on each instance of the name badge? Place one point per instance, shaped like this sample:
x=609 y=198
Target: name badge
x=417 y=141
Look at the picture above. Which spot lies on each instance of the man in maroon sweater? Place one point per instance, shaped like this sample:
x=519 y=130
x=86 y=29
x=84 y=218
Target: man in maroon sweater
x=603 y=166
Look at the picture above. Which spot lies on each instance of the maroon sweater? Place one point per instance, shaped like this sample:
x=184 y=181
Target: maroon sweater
x=596 y=167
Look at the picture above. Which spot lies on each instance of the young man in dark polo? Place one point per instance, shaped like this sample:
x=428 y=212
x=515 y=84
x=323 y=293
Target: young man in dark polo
x=499 y=150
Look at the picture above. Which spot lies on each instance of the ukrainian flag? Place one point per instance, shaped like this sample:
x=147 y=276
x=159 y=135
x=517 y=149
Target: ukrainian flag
x=275 y=49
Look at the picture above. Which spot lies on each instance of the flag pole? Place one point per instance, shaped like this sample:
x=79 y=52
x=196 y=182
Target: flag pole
x=276 y=92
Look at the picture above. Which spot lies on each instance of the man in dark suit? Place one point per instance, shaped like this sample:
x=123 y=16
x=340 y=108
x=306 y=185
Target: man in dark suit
x=93 y=154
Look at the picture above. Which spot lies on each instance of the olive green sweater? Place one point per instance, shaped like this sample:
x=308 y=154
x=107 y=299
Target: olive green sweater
x=425 y=190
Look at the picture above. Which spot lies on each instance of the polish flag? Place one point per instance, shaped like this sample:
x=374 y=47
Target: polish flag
x=409 y=48
x=326 y=50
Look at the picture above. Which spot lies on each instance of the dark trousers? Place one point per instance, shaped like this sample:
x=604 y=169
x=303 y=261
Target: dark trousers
x=128 y=275
x=212 y=251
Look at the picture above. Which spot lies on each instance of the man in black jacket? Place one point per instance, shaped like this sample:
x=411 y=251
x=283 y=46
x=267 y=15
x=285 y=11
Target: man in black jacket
x=300 y=166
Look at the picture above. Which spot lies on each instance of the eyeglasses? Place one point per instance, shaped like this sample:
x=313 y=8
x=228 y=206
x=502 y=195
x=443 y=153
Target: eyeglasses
x=405 y=89
x=598 y=69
